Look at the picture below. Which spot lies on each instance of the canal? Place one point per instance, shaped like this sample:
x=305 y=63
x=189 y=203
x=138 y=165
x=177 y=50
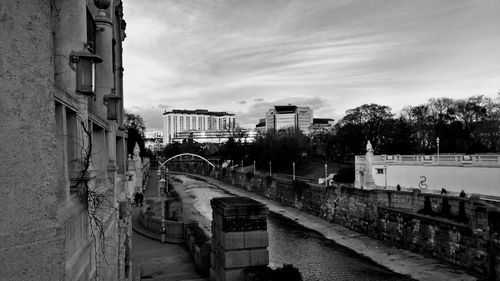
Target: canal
x=316 y=257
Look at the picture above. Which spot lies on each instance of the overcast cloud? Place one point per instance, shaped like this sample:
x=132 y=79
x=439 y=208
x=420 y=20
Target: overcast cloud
x=246 y=56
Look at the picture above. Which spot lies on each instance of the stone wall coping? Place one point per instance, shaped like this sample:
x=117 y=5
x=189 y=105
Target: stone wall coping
x=238 y=206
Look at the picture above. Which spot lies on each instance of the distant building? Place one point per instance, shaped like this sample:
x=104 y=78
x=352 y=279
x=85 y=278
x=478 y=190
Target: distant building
x=472 y=173
x=289 y=116
x=153 y=139
x=153 y=134
x=261 y=126
x=199 y=120
x=322 y=124
x=242 y=135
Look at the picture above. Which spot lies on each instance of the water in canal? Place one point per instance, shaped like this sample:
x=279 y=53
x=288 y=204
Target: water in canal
x=316 y=257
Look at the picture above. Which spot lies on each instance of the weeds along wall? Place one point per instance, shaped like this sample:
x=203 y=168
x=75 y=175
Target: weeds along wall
x=461 y=231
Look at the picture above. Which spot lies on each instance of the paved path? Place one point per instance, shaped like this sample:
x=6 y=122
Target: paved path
x=154 y=261
x=397 y=260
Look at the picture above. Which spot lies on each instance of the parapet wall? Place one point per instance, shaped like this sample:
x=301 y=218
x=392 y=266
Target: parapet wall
x=461 y=231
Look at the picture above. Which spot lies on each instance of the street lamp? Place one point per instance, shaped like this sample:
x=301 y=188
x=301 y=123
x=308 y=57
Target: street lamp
x=326 y=174
x=293 y=168
x=270 y=171
x=437 y=143
x=85 y=70
x=163 y=226
x=112 y=102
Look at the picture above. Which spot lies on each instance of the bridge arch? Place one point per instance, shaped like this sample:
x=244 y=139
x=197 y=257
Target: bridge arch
x=191 y=154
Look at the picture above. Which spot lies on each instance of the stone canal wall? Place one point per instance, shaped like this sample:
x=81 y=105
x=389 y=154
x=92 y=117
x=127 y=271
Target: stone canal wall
x=461 y=231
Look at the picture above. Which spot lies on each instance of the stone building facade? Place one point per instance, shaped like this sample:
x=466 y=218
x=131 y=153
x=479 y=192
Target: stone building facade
x=63 y=213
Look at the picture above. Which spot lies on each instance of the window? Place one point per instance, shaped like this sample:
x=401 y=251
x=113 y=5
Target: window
x=91 y=30
x=380 y=171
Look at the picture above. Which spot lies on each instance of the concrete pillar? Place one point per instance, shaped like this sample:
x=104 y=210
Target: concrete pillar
x=239 y=237
x=104 y=79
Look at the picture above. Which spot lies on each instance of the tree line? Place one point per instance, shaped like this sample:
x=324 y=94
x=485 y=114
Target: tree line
x=470 y=125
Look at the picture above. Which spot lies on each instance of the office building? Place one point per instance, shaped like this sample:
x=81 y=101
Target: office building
x=289 y=116
x=199 y=120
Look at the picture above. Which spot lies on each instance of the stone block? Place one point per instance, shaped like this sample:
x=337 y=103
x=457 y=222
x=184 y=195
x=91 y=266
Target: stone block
x=232 y=275
x=259 y=257
x=237 y=258
x=232 y=240
x=237 y=206
x=256 y=239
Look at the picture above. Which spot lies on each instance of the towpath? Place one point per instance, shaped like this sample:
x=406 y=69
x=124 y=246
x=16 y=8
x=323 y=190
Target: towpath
x=152 y=260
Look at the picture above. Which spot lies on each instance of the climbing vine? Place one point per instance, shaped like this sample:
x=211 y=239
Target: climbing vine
x=97 y=201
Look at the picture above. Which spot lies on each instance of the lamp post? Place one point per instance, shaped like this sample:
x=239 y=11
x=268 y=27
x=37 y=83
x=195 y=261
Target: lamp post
x=254 y=167
x=158 y=173
x=270 y=170
x=437 y=144
x=385 y=174
x=163 y=229
x=293 y=170
x=166 y=176
x=326 y=174
x=242 y=166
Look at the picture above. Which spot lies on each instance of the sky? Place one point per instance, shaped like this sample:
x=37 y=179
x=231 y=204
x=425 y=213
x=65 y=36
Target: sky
x=245 y=56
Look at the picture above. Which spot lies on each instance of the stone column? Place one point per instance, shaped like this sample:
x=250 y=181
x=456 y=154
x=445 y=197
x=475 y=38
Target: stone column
x=104 y=78
x=239 y=237
x=111 y=167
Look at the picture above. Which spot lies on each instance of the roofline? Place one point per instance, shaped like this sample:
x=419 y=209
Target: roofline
x=198 y=112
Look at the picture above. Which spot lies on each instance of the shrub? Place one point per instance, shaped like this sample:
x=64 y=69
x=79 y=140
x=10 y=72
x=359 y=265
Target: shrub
x=263 y=273
x=287 y=272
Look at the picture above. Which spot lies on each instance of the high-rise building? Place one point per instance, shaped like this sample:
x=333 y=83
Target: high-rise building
x=289 y=116
x=198 y=120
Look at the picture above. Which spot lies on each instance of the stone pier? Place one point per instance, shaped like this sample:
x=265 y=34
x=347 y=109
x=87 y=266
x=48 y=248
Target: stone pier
x=239 y=237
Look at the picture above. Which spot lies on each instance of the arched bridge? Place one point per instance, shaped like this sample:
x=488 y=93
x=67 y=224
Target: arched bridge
x=186 y=154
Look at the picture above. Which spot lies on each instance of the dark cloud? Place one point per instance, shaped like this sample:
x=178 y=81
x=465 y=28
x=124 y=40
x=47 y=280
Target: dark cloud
x=341 y=53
